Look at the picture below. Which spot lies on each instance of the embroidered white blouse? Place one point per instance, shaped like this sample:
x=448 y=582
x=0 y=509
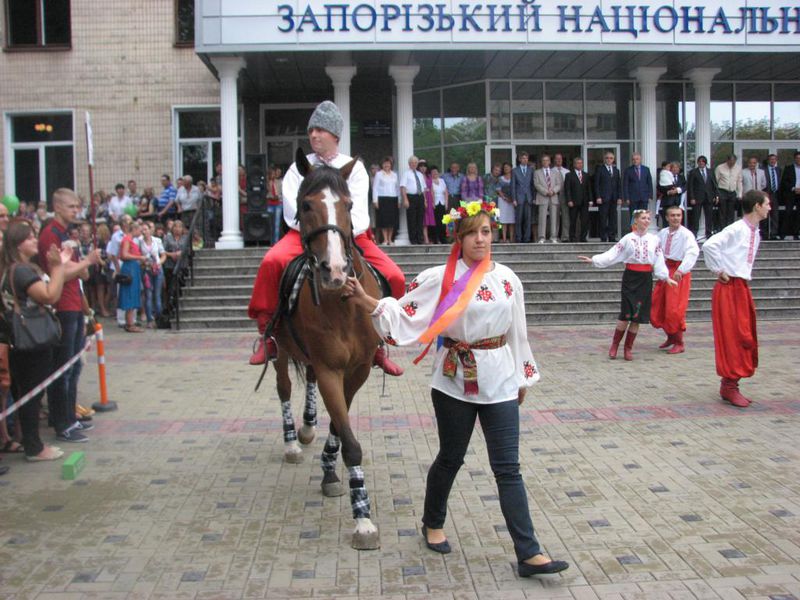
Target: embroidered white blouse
x=635 y=249
x=498 y=308
x=680 y=245
x=733 y=250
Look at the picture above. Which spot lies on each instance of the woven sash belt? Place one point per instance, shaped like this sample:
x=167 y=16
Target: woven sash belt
x=463 y=351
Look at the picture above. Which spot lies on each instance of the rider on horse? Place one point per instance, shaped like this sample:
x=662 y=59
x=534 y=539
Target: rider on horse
x=324 y=131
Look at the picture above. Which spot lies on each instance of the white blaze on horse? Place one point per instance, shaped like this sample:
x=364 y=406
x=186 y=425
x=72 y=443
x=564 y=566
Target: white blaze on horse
x=334 y=338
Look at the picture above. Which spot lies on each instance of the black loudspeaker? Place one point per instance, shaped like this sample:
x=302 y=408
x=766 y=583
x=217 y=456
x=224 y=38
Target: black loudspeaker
x=257 y=227
x=256 y=169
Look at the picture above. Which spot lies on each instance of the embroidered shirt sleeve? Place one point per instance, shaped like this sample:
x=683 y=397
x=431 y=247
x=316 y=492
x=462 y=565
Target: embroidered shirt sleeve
x=613 y=255
x=401 y=322
x=525 y=368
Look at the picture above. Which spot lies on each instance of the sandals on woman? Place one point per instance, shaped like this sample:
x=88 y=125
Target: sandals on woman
x=49 y=453
x=12 y=447
x=133 y=329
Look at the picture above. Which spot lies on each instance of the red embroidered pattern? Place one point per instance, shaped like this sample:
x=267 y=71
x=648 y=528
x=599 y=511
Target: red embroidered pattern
x=413 y=285
x=530 y=370
x=751 y=250
x=411 y=308
x=507 y=288
x=485 y=294
x=390 y=340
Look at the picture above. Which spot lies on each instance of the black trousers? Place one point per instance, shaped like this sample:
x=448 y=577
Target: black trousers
x=727 y=207
x=790 y=220
x=29 y=369
x=415 y=214
x=701 y=207
x=440 y=229
x=607 y=223
x=575 y=213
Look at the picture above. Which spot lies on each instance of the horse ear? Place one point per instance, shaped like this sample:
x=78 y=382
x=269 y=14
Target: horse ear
x=303 y=166
x=348 y=168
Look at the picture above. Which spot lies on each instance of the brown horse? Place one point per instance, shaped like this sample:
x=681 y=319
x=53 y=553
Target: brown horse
x=330 y=335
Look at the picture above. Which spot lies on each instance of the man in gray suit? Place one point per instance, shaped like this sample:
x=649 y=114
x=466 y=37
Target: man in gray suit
x=548 y=183
x=522 y=194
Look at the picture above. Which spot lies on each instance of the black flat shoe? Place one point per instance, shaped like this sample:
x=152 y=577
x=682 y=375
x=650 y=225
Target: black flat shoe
x=441 y=547
x=554 y=566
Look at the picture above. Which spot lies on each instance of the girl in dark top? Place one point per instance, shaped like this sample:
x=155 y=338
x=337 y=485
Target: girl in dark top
x=31 y=286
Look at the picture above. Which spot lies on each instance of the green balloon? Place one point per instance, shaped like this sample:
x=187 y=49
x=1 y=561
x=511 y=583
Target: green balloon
x=131 y=210
x=11 y=202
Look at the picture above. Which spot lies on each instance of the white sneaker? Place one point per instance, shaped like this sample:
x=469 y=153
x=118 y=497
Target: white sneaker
x=554 y=241
x=541 y=241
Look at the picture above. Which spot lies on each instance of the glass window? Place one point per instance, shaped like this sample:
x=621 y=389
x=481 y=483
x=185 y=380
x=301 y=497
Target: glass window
x=500 y=110
x=38 y=23
x=465 y=154
x=609 y=111
x=184 y=22
x=199 y=124
x=669 y=151
x=27 y=182
x=690 y=118
x=753 y=111
x=719 y=152
x=721 y=111
x=787 y=111
x=289 y=122
x=527 y=109
x=669 y=111
x=427 y=119
x=59 y=171
x=41 y=128
x=464 y=113
x=564 y=110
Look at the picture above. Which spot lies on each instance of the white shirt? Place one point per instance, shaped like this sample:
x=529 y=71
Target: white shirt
x=635 y=249
x=358 y=183
x=729 y=178
x=497 y=309
x=438 y=188
x=413 y=181
x=117 y=206
x=384 y=184
x=188 y=199
x=679 y=245
x=733 y=250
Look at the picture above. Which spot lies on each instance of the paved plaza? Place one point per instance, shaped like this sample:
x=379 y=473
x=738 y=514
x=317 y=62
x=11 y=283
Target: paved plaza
x=637 y=474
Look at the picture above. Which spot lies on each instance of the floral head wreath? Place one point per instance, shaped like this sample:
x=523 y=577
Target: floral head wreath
x=470 y=209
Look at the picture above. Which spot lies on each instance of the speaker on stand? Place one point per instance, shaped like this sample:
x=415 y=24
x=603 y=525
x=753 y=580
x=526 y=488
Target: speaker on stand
x=257 y=222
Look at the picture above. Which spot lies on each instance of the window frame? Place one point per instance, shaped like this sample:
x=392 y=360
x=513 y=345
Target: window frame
x=39 y=46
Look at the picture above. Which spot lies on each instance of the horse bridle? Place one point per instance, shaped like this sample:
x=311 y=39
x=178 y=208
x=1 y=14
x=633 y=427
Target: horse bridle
x=313 y=262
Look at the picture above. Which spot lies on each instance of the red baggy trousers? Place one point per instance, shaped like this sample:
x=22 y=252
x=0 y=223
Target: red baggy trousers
x=733 y=315
x=669 y=304
x=264 y=299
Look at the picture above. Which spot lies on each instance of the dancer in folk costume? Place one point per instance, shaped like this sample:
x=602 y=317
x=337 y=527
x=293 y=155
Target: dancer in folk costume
x=641 y=253
x=483 y=370
x=670 y=303
x=730 y=255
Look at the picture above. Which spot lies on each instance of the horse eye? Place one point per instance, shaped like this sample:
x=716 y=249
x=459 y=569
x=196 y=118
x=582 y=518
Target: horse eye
x=305 y=206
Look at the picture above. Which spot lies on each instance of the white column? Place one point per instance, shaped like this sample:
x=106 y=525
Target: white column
x=404 y=130
x=228 y=68
x=701 y=80
x=341 y=77
x=647 y=78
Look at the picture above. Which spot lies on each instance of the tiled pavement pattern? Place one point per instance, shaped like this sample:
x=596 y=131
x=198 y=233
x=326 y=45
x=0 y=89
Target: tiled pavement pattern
x=636 y=472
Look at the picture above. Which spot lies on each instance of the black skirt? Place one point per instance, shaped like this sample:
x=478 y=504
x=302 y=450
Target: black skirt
x=388 y=213
x=637 y=291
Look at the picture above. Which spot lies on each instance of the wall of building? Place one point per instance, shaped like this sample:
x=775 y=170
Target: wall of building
x=125 y=70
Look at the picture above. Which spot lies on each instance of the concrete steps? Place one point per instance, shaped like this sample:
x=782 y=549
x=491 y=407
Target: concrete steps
x=558 y=288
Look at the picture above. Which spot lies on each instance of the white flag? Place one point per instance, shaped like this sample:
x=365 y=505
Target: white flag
x=89 y=145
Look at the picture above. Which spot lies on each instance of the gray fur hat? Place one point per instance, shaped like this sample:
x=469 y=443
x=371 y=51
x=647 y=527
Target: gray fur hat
x=328 y=117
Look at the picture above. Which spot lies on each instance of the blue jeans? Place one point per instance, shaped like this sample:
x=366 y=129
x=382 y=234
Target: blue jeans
x=277 y=215
x=152 y=295
x=455 y=421
x=62 y=395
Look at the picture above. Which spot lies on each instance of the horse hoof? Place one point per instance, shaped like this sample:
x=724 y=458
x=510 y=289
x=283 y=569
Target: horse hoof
x=366 y=541
x=332 y=490
x=305 y=435
x=292 y=453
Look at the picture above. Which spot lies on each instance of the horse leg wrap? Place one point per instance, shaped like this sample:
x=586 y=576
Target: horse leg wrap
x=289 y=433
x=329 y=454
x=310 y=411
x=359 y=499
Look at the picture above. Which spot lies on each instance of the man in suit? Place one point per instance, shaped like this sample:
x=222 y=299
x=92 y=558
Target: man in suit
x=558 y=165
x=790 y=192
x=608 y=195
x=578 y=193
x=773 y=174
x=701 y=195
x=548 y=184
x=522 y=194
x=637 y=185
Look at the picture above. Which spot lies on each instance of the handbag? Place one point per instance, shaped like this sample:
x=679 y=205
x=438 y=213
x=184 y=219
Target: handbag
x=123 y=279
x=32 y=327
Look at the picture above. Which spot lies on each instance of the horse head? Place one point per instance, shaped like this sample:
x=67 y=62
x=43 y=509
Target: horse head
x=323 y=207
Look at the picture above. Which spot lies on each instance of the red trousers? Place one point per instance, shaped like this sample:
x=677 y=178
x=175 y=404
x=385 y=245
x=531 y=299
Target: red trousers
x=264 y=300
x=733 y=315
x=669 y=304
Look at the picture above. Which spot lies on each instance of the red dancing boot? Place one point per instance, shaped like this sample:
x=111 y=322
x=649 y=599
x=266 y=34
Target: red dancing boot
x=264 y=352
x=670 y=340
x=627 y=352
x=678 y=347
x=612 y=352
x=729 y=390
x=381 y=360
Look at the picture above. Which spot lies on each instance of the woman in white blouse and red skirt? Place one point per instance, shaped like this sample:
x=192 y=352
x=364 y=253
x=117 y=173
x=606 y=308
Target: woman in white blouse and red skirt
x=642 y=255
x=482 y=370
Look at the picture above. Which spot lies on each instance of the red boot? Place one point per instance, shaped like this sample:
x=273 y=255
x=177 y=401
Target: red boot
x=629 y=345
x=729 y=390
x=381 y=360
x=678 y=347
x=612 y=352
x=670 y=340
x=264 y=353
